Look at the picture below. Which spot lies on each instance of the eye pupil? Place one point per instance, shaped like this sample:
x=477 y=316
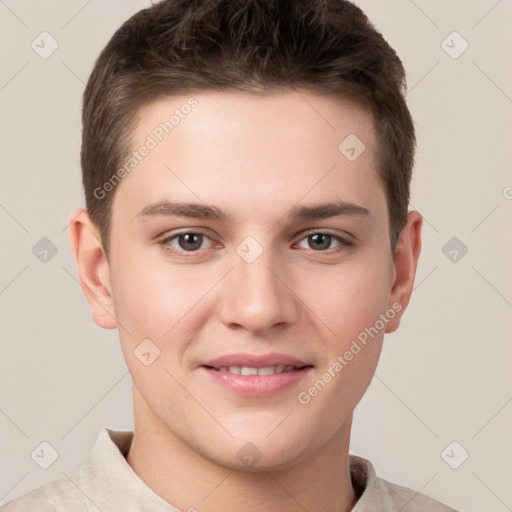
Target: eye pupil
x=190 y=241
x=323 y=241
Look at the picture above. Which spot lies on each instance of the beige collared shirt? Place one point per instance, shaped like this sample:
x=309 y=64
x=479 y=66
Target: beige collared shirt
x=107 y=483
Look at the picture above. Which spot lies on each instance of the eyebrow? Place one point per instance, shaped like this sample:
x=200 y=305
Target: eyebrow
x=204 y=211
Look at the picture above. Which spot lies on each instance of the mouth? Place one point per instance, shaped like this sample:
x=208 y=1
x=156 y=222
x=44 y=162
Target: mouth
x=277 y=362
x=266 y=370
x=251 y=375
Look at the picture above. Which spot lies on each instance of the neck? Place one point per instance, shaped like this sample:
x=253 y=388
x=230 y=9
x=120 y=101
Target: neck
x=189 y=481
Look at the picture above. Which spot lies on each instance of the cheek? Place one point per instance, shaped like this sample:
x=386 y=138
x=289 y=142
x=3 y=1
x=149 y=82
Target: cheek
x=349 y=304
x=144 y=296
x=347 y=298
x=155 y=302
x=159 y=299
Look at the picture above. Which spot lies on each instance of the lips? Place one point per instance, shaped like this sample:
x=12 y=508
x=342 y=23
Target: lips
x=251 y=375
x=242 y=360
x=256 y=385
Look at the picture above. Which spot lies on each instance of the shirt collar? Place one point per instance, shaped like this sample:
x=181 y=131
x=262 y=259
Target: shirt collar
x=109 y=484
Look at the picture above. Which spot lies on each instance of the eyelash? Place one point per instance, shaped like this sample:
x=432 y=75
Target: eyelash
x=342 y=242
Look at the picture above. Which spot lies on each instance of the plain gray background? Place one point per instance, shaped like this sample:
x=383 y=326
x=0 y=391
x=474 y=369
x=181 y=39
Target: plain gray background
x=444 y=377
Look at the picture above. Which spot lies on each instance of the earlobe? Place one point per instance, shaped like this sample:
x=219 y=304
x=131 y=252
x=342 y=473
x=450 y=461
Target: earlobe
x=405 y=262
x=92 y=267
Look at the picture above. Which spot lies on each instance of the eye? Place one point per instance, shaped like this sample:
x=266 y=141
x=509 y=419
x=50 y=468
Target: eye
x=320 y=241
x=194 y=241
x=190 y=241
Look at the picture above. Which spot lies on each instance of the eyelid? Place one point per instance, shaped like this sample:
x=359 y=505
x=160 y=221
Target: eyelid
x=183 y=231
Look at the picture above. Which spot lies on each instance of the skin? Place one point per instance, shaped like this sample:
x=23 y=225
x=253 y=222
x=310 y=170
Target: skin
x=255 y=157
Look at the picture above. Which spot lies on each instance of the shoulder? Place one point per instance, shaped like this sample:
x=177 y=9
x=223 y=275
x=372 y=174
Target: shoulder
x=397 y=497
x=379 y=495
x=58 y=496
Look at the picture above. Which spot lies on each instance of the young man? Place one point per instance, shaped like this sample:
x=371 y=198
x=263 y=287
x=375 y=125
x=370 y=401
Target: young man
x=246 y=167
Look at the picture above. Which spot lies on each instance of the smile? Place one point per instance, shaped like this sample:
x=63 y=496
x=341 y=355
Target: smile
x=247 y=370
x=249 y=381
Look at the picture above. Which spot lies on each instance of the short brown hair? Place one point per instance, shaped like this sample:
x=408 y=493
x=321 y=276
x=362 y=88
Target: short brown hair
x=186 y=46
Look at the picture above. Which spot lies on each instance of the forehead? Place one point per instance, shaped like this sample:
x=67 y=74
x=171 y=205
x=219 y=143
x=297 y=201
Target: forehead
x=242 y=149
x=294 y=113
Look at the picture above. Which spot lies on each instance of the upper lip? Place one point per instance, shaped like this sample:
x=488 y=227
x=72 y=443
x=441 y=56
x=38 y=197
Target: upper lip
x=255 y=361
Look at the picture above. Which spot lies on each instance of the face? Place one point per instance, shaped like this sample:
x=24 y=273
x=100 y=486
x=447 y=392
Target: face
x=247 y=233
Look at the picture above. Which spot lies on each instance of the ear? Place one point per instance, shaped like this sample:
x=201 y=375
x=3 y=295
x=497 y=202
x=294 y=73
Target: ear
x=405 y=262
x=93 y=268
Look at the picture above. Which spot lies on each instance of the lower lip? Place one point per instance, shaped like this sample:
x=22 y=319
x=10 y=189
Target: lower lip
x=257 y=385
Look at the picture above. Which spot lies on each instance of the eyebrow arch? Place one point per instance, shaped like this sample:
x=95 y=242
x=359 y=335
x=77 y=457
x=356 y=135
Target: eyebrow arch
x=203 y=211
x=192 y=210
x=327 y=210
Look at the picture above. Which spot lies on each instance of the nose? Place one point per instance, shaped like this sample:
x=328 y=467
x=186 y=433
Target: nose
x=256 y=296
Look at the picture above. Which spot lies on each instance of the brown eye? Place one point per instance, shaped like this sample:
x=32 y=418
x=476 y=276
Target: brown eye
x=190 y=241
x=323 y=242
x=186 y=242
x=319 y=241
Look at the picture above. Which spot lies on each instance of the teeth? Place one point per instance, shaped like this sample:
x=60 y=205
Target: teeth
x=248 y=371
x=267 y=370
